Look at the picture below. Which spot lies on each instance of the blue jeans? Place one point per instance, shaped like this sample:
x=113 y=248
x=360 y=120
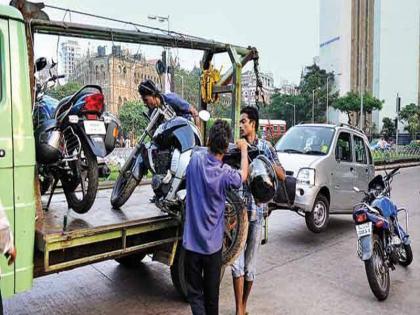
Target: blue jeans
x=246 y=264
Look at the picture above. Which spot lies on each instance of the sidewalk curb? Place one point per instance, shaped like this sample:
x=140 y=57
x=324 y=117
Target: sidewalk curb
x=395 y=165
x=109 y=184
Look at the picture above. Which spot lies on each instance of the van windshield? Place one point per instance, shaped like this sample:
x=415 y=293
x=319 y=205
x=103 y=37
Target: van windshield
x=311 y=140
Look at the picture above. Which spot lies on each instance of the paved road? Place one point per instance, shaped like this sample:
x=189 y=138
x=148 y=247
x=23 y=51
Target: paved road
x=299 y=273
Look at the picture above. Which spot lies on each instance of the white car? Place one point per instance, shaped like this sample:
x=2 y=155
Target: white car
x=327 y=161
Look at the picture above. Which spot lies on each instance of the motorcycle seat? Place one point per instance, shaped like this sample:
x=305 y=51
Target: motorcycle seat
x=62 y=104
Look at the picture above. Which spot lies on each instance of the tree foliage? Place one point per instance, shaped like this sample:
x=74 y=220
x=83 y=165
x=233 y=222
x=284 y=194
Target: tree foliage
x=388 y=127
x=410 y=115
x=132 y=120
x=350 y=103
x=61 y=91
x=311 y=93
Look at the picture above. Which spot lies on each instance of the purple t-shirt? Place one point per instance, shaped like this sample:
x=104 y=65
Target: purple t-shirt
x=207 y=182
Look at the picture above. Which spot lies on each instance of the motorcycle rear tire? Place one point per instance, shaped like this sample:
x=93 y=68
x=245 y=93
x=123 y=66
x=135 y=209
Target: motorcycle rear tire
x=232 y=252
x=229 y=255
x=380 y=291
x=83 y=205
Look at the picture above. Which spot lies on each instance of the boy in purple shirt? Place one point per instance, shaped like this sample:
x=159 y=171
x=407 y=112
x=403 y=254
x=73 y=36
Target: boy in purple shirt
x=208 y=180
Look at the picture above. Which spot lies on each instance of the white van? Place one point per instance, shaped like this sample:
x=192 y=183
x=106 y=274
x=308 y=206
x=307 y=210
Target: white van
x=327 y=161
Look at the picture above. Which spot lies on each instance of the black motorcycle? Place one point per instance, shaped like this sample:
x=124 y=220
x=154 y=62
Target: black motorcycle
x=166 y=156
x=69 y=137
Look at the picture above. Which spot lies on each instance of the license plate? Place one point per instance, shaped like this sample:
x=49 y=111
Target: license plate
x=94 y=127
x=364 y=229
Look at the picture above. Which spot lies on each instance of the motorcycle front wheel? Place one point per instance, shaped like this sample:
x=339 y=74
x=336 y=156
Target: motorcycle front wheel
x=377 y=271
x=81 y=190
x=125 y=184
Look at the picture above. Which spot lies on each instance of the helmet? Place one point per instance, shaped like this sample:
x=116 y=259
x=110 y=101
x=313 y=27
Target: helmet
x=262 y=179
x=148 y=87
x=47 y=142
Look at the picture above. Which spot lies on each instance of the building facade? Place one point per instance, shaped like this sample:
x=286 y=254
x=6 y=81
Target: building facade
x=69 y=55
x=118 y=73
x=249 y=82
x=373 y=46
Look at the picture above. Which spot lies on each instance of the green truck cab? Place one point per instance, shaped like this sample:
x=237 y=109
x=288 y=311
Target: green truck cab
x=17 y=150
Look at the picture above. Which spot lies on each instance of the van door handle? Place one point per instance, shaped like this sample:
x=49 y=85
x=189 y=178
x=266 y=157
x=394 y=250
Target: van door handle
x=351 y=169
x=2 y=153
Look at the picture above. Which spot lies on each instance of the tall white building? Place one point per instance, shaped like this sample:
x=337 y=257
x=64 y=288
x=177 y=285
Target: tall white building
x=396 y=55
x=373 y=45
x=70 y=53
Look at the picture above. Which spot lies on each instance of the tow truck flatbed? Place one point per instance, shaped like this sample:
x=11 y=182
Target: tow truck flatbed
x=103 y=233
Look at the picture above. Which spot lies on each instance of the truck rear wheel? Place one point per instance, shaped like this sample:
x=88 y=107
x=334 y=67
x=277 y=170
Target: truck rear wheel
x=131 y=261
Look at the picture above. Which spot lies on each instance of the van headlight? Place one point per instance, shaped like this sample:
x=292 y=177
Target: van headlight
x=306 y=176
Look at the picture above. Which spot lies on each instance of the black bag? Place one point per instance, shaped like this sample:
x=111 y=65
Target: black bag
x=286 y=191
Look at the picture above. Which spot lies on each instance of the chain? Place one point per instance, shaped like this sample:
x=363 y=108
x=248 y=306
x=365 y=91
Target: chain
x=259 y=91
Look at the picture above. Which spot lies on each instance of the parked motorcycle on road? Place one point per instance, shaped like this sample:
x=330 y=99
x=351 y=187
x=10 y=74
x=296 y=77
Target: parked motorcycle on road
x=69 y=137
x=382 y=241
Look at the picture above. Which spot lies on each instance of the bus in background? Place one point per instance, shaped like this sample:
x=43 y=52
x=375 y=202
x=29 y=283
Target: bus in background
x=272 y=129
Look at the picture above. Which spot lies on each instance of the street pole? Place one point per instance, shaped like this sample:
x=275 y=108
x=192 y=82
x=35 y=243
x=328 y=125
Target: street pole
x=328 y=77
x=361 y=91
x=182 y=85
x=163 y=19
x=398 y=107
x=294 y=112
x=313 y=106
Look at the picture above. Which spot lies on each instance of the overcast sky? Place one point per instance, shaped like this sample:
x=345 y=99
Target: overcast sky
x=286 y=32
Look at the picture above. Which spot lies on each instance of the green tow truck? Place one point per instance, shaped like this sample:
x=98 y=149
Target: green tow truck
x=44 y=243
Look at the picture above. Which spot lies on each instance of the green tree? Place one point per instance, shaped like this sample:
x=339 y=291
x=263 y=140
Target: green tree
x=61 y=91
x=187 y=83
x=281 y=107
x=350 y=103
x=410 y=115
x=132 y=120
x=313 y=89
x=388 y=127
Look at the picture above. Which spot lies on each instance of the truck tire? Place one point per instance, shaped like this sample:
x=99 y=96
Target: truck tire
x=131 y=261
x=317 y=219
x=178 y=272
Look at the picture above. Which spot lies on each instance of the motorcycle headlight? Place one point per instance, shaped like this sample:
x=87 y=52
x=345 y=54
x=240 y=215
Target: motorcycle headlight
x=306 y=176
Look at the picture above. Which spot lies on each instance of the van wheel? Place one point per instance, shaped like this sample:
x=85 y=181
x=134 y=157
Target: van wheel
x=317 y=219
